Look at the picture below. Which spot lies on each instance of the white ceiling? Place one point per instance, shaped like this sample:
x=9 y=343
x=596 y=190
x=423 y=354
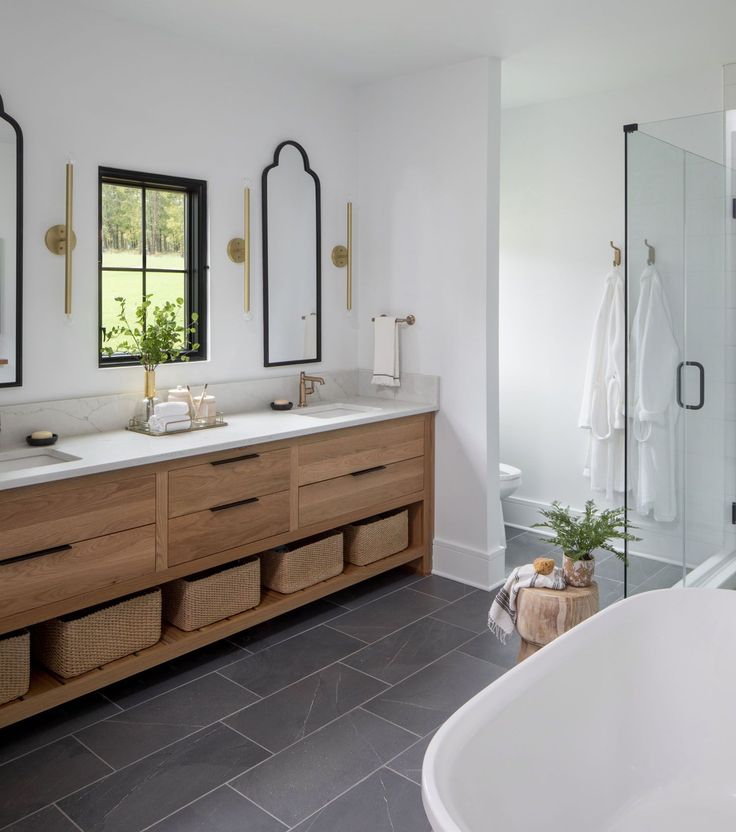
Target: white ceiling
x=551 y=48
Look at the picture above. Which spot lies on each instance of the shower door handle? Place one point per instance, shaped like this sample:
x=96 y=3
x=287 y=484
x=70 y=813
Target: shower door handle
x=701 y=393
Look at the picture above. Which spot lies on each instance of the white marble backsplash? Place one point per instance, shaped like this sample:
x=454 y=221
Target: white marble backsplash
x=97 y=414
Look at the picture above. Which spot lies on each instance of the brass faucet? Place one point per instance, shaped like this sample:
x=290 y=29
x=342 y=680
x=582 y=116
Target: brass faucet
x=305 y=390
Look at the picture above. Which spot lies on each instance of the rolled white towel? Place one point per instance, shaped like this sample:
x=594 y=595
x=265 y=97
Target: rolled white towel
x=171 y=408
x=169 y=424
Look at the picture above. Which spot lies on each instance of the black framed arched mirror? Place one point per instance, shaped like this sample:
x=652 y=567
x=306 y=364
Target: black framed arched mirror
x=292 y=315
x=11 y=249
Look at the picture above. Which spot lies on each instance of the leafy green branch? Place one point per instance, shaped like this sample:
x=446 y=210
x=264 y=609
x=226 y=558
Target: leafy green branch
x=156 y=333
x=579 y=536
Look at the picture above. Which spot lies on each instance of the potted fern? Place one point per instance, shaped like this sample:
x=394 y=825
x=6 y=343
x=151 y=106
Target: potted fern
x=156 y=336
x=580 y=535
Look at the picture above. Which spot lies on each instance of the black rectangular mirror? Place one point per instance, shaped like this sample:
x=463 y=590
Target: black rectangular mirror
x=11 y=249
x=290 y=201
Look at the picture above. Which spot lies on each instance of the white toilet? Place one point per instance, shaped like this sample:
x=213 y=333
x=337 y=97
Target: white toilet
x=510 y=479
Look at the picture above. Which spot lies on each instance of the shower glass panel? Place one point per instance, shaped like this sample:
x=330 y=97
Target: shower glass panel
x=678 y=473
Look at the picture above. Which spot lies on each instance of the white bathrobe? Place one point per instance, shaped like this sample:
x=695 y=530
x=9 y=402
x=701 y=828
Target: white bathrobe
x=602 y=413
x=654 y=355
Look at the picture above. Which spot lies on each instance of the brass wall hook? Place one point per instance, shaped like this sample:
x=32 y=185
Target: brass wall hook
x=238 y=250
x=651 y=254
x=342 y=256
x=616 y=254
x=57 y=236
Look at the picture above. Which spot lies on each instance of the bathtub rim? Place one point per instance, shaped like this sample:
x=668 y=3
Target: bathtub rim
x=457 y=729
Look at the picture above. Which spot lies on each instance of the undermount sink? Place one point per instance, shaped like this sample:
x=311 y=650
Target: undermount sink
x=334 y=411
x=22 y=459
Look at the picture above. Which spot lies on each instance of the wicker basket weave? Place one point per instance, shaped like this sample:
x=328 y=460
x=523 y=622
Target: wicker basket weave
x=378 y=537
x=82 y=641
x=15 y=665
x=299 y=565
x=194 y=602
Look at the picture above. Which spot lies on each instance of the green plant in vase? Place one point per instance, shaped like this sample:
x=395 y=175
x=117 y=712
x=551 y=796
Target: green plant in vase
x=156 y=336
x=579 y=535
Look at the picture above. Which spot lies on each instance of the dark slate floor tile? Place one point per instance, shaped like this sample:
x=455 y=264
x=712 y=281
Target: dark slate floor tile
x=223 y=810
x=131 y=692
x=665 y=578
x=299 y=709
x=409 y=763
x=53 y=725
x=302 y=778
x=384 y=802
x=639 y=569
x=524 y=548
x=470 y=612
x=49 y=819
x=275 y=667
x=442 y=588
x=287 y=625
x=363 y=593
x=425 y=700
x=410 y=649
x=609 y=591
x=512 y=532
x=489 y=648
x=172 y=716
x=43 y=776
x=386 y=615
x=147 y=791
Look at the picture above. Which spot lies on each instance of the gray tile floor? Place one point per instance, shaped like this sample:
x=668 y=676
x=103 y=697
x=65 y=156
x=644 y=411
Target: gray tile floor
x=316 y=721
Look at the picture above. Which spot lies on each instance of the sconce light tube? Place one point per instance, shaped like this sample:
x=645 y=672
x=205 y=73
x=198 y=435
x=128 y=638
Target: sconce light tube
x=350 y=257
x=238 y=250
x=68 y=235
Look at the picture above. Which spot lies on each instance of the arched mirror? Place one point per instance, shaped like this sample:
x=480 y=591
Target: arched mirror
x=11 y=248
x=290 y=194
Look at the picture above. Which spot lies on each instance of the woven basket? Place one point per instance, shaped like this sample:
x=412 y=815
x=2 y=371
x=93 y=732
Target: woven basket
x=378 y=537
x=15 y=665
x=198 y=600
x=84 y=640
x=299 y=565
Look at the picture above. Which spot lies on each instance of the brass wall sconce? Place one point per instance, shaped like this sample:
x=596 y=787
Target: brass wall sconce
x=61 y=239
x=238 y=250
x=342 y=256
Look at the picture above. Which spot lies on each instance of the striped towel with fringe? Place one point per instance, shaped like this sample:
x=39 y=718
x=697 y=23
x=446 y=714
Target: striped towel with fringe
x=502 y=615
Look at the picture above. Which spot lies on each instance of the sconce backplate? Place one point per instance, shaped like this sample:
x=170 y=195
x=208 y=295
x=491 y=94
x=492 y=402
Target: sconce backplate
x=340 y=256
x=236 y=250
x=55 y=239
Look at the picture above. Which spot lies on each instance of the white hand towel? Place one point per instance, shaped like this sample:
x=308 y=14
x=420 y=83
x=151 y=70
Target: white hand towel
x=386 y=352
x=169 y=424
x=502 y=615
x=174 y=408
x=310 y=335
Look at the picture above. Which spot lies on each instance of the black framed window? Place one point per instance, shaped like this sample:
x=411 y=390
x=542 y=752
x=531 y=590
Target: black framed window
x=152 y=241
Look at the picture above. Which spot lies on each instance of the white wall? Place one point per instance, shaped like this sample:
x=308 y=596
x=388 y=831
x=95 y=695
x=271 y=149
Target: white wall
x=109 y=93
x=562 y=200
x=428 y=246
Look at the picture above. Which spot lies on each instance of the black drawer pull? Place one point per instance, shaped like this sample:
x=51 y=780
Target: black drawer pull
x=233 y=505
x=234 y=459
x=41 y=553
x=368 y=471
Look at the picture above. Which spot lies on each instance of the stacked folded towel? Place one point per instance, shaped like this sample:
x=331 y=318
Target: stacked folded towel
x=502 y=615
x=170 y=416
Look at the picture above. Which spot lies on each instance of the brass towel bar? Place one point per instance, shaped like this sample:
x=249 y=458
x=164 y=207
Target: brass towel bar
x=410 y=320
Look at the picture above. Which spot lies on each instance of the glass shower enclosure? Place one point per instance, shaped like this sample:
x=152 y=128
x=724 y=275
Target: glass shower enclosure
x=681 y=349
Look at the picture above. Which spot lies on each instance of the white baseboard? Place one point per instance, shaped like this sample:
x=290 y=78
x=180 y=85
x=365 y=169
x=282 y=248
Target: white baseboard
x=484 y=570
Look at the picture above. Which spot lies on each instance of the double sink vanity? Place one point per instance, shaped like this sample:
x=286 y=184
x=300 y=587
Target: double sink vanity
x=104 y=515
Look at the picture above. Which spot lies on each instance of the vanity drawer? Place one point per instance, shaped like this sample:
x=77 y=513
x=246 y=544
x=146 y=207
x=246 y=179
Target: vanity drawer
x=356 y=449
x=53 y=574
x=42 y=517
x=359 y=490
x=226 y=526
x=247 y=474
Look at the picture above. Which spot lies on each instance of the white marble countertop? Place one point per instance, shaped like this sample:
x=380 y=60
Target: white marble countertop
x=111 y=450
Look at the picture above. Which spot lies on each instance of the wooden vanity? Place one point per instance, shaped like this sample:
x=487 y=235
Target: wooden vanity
x=68 y=545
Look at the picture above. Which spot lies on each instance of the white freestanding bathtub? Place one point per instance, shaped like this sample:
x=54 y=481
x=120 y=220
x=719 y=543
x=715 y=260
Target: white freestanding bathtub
x=625 y=724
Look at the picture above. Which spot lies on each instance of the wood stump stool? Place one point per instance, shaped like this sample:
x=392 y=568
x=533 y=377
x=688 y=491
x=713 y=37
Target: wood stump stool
x=544 y=614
